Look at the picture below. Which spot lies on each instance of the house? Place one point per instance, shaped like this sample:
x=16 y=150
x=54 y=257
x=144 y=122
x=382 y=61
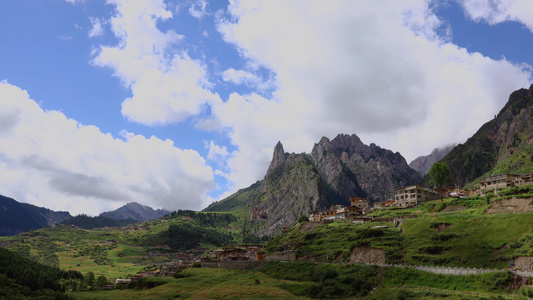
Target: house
x=233 y=254
x=384 y=204
x=362 y=203
x=121 y=280
x=352 y=211
x=411 y=195
x=496 y=182
x=329 y=214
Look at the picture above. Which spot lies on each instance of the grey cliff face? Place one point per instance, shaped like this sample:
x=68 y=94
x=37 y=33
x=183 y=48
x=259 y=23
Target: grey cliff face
x=336 y=170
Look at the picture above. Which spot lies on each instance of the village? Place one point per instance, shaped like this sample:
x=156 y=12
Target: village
x=411 y=196
x=406 y=197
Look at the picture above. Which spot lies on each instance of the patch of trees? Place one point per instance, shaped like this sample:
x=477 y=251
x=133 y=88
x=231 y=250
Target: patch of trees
x=97 y=253
x=87 y=222
x=205 y=219
x=35 y=276
x=188 y=236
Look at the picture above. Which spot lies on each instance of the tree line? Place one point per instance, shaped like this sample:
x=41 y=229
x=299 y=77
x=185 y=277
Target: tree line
x=36 y=276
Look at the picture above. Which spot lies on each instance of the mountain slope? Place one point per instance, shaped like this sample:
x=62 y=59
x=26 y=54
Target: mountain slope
x=496 y=142
x=18 y=217
x=135 y=211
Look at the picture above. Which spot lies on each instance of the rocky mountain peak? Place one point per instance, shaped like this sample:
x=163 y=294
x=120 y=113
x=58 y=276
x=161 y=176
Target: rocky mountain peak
x=277 y=158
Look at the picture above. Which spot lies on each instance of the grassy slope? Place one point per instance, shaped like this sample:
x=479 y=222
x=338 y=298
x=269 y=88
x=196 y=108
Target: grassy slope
x=519 y=163
x=85 y=250
x=235 y=202
x=204 y=284
x=472 y=238
x=304 y=280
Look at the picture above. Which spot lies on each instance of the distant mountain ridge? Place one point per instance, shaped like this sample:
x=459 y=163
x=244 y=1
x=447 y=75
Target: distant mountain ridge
x=136 y=212
x=16 y=217
x=336 y=170
x=422 y=164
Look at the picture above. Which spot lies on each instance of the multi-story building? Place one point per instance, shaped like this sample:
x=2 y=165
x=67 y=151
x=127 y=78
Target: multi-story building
x=362 y=203
x=503 y=181
x=411 y=195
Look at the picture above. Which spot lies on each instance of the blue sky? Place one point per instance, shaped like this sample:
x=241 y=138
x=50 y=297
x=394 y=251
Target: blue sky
x=175 y=104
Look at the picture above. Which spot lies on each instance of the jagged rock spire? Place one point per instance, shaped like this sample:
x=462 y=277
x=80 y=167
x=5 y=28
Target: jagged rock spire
x=277 y=157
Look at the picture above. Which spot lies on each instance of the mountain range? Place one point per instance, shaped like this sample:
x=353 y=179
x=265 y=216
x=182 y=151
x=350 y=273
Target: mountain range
x=17 y=217
x=335 y=170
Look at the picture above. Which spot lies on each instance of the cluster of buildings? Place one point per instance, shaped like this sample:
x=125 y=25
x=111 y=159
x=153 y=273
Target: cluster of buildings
x=358 y=206
x=495 y=182
x=233 y=253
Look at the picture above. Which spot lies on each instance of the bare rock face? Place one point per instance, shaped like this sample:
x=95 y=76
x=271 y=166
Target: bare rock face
x=296 y=184
x=367 y=255
x=524 y=263
x=353 y=169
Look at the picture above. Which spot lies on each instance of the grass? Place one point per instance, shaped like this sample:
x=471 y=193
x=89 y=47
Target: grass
x=471 y=239
x=204 y=284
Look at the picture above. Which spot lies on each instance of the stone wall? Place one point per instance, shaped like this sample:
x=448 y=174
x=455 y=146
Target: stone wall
x=236 y=265
x=281 y=255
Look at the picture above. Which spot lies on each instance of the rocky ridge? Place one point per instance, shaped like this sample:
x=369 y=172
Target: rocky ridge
x=296 y=184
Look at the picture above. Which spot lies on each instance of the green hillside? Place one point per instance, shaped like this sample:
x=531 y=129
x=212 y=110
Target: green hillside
x=120 y=251
x=235 y=202
x=455 y=232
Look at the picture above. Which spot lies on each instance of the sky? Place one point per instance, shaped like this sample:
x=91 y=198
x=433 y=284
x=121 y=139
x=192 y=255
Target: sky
x=176 y=104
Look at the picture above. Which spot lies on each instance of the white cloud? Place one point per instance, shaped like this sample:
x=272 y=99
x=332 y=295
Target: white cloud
x=166 y=88
x=355 y=67
x=498 y=11
x=239 y=76
x=97 y=27
x=341 y=66
x=49 y=160
x=198 y=9
x=216 y=153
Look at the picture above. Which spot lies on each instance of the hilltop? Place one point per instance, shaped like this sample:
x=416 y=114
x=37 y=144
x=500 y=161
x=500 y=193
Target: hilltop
x=135 y=211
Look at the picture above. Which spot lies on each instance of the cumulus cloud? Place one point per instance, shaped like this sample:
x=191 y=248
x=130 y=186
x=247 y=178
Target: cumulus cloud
x=391 y=76
x=167 y=88
x=49 y=160
x=354 y=67
x=498 y=11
